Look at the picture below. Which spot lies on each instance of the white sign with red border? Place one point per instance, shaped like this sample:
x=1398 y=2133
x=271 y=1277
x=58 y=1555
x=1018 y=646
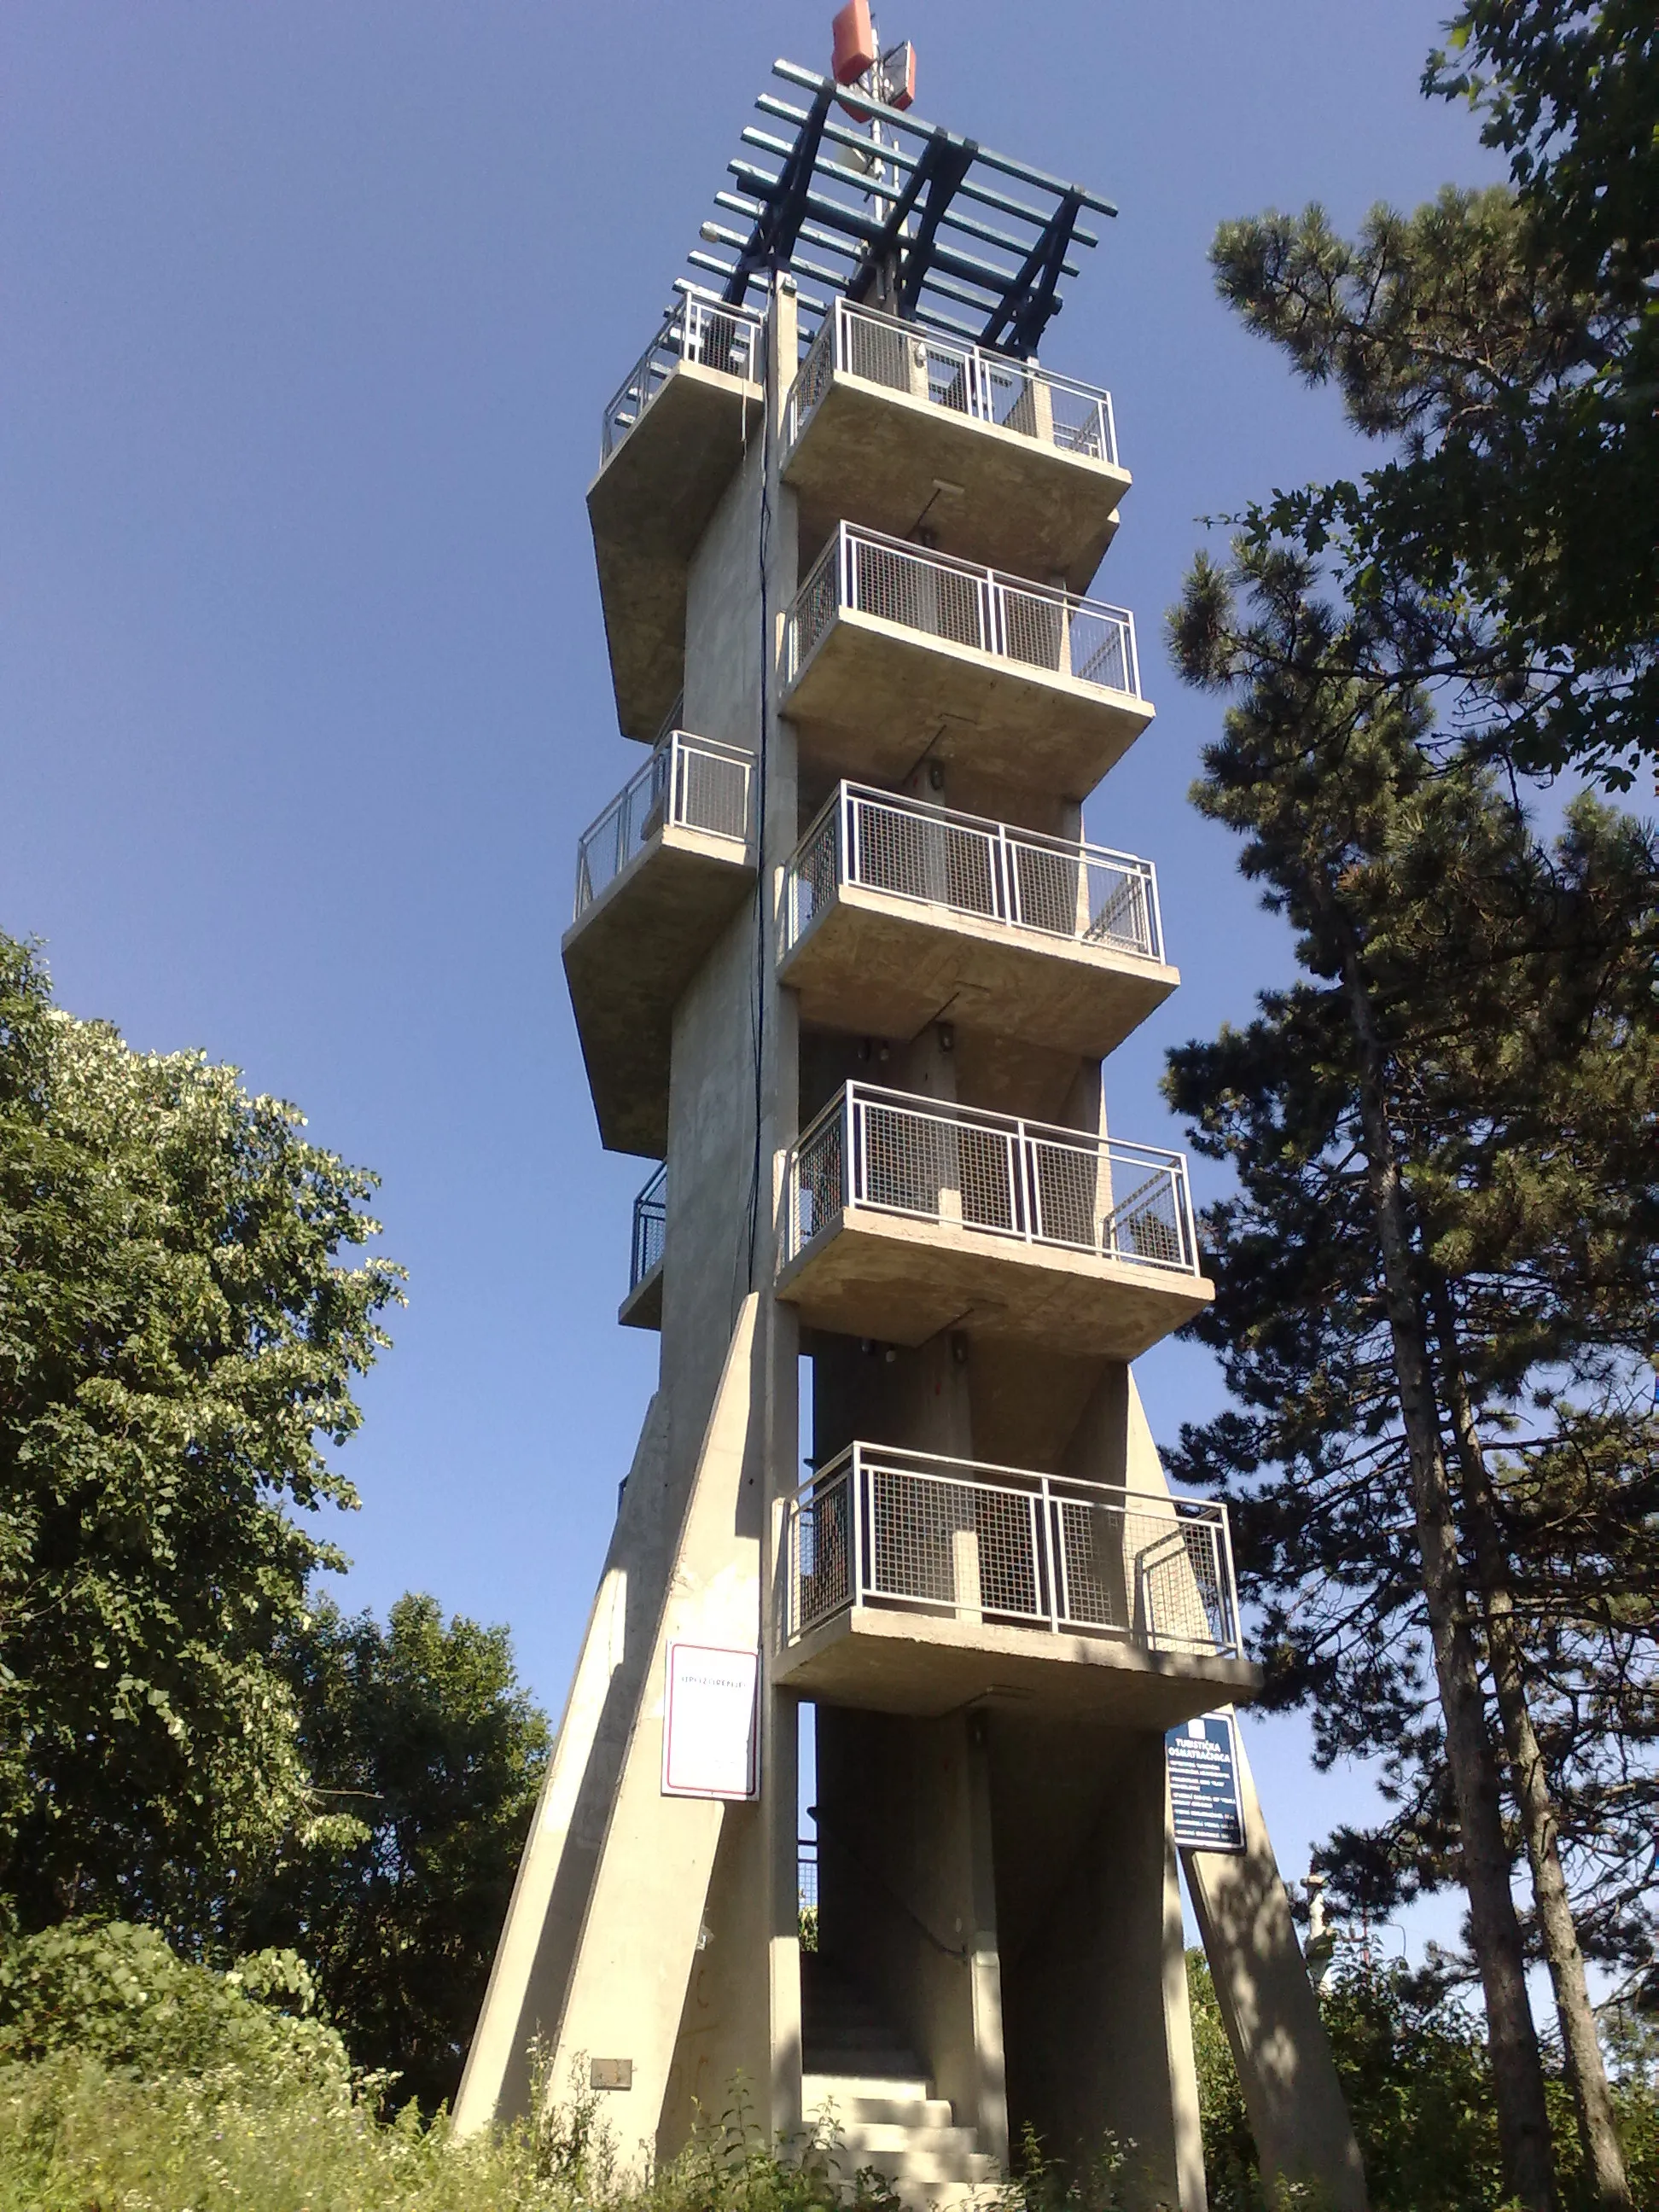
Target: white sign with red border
x=709 y=1746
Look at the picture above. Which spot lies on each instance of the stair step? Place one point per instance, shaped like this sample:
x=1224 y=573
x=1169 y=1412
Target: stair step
x=873 y=2103
x=921 y=2166
x=875 y=2139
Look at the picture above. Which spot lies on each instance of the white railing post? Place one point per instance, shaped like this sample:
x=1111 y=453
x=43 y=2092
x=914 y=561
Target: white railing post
x=1227 y=1585
x=855 y=1133
x=1157 y=912
x=847 y=594
x=850 y=855
x=855 y=1514
x=1053 y=1555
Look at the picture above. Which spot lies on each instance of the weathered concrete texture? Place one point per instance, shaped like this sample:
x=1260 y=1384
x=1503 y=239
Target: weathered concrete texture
x=885 y=1276
x=1291 y=2094
x=875 y=697
x=642 y=1307
x=1018 y=503
x=881 y=965
x=627 y=958
x=645 y=1912
x=895 y=1660
x=649 y=506
x=1099 y=2041
x=531 y=1969
x=907 y=1895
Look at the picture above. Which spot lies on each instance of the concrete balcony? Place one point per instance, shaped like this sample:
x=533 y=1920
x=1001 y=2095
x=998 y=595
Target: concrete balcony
x=894 y=908
x=916 y=1584
x=642 y=1307
x=885 y=412
x=892 y=651
x=657 y=877
x=904 y=1216
x=673 y=436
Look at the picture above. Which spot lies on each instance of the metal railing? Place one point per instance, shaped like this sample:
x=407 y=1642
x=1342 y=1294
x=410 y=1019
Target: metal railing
x=1036 y=625
x=695 y=783
x=650 y=1228
x=952 y=1538
x=962 y=379
x=1025 y=1180
x=695 y=329
x=903 y=845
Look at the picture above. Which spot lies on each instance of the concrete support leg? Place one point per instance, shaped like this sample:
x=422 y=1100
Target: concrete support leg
x=1291 y=2094
x=532 y=1970
x=645 y=1907
x=984 y=1961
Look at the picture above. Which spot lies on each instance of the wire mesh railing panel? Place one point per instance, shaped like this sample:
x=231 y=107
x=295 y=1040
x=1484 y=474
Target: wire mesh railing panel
x=1008 y=396
x=961 y=379
x=1149 y=1224
x=714 y=336
x=632 y=818
x=723 y=338
x=1096 y=1572
x=959 y=1166
x=814 y=873
x=918 y=593
x=1065 y=1180
x=1048 y=887
x=812 y=379
x=939 y=597
x=806 y=1874
x=1118 y=910
x=712 y=790
x=815 y=608
x=881 y=352
x=1186 y=1593
x=908 y=1530
x=903 y=1160
x=921 y=855
x=1103 y=648
x=987 y=1177
x=1032 y=626
x=964 y=1547
x=817 y=1182
x=913 y=850
x=650 y=1228
x=823 y=1537
x=691 y=781
x=1081 y=421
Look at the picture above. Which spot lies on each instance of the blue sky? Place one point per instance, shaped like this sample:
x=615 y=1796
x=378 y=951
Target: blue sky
x=309 y=312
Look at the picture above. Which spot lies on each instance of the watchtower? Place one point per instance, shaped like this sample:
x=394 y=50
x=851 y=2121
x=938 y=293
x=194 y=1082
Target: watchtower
x=845 y=966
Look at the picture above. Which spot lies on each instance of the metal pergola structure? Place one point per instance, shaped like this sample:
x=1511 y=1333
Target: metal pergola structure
x=896 y=202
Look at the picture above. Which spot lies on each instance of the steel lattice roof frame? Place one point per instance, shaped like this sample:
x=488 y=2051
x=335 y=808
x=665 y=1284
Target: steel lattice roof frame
x=932 y=178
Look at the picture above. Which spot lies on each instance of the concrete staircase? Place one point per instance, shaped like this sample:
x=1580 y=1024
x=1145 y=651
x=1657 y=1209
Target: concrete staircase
x=860 y=2081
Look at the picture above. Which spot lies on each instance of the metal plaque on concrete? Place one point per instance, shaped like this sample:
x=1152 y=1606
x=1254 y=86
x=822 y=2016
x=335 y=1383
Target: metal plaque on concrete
x=1203 y=1761
x=709 y=1747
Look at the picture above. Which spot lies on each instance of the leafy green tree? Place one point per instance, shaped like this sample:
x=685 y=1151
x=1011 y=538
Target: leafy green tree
x=179 y=1331
x=421 y=1735
x=1415 y=2077
x=1441 y=1189
x=1505 y=342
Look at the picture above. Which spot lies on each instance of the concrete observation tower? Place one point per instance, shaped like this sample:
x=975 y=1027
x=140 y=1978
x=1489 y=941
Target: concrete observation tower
x=844 y=964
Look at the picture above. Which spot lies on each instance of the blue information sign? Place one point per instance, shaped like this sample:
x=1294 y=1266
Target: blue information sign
x=1203 y=1762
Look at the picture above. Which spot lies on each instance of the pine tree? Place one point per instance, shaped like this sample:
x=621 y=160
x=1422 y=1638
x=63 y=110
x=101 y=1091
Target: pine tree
x=1434 y=1143
x=1504 y=345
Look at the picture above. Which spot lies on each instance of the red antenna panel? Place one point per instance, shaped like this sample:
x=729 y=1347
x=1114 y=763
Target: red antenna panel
x=855 y=43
